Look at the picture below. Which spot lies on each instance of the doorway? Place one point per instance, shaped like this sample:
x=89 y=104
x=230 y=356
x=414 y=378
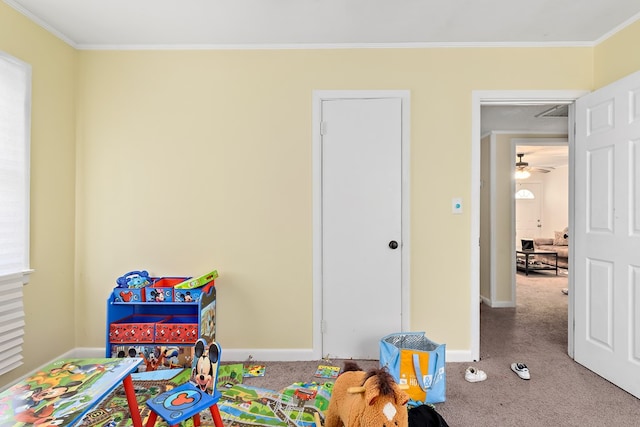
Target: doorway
x=360 y=155
x=502 y=98
x=600 y=149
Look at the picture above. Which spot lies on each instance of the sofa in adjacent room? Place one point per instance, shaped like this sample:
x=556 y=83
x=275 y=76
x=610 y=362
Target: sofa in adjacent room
x=559 y=243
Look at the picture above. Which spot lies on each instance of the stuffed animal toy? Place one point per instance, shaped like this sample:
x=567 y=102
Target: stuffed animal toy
x=366 y=399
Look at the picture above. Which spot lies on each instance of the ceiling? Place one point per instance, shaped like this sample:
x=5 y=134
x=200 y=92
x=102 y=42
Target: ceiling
x=530 y=119
x=523 y=118
x=200 y=24
x=544 y=156
x=96 y=24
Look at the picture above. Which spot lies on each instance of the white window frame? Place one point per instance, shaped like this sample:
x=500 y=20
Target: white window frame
x=15 y=269
x=525 y=194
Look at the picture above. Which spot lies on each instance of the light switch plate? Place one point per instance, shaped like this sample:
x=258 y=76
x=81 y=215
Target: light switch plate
x=456 y=205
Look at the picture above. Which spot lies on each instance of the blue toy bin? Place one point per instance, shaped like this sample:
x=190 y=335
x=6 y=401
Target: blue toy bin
x=162 y=289
x=130 y=287
x=192 y=295
x=129 y=295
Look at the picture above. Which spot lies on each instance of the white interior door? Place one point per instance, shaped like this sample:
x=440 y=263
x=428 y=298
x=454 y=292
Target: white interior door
x=606 y=236
x=361 y=216
x=528 y=212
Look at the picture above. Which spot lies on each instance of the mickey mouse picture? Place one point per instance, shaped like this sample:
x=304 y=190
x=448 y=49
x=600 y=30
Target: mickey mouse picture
x=157 y=296
x=186 y=297
x=205 y=368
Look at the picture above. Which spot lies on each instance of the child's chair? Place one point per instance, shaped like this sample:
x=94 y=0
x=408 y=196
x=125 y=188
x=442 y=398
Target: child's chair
x=189 y=399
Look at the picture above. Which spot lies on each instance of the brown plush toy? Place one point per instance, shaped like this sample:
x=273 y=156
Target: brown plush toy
x=366 y=399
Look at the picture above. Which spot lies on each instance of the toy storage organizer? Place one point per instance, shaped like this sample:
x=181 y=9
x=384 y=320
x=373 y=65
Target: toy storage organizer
x=139 y=321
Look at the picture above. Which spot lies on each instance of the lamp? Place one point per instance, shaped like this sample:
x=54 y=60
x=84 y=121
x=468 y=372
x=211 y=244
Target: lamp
x=522 y=174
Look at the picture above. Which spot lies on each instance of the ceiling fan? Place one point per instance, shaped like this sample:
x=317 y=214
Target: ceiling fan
x=522 y=166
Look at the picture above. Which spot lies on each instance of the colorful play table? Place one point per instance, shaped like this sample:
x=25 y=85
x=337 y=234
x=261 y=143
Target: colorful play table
x=62 y=392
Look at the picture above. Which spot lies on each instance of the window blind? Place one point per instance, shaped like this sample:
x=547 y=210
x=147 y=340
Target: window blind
x=15 y=123
x=11 y=323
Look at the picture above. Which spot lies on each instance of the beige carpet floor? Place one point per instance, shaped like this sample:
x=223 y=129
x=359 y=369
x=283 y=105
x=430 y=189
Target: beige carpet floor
x=560 y=392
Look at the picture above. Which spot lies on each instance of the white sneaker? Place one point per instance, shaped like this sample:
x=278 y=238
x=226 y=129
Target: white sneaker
x=474 y=375
x=521 y=370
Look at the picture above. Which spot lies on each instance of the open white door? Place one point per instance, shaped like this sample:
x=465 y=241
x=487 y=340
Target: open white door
x=606 y=234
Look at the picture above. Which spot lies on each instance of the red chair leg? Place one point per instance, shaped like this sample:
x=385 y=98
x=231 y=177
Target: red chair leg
x=215 y=413
x=196 y=420
x=152 y=419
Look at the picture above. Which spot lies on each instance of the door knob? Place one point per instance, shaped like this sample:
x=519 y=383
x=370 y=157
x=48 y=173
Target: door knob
x=393 y=244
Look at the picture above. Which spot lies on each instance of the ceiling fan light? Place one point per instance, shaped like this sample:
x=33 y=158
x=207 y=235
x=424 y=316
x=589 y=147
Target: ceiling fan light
x=522 y=174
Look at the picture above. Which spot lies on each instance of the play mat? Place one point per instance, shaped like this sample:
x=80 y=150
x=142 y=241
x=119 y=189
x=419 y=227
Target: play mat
x=240 y=405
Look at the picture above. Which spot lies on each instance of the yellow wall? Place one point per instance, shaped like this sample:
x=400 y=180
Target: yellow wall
x=188 y=160
x=503 y=232
x=49 y=297
x=193 y=160
x=617 y=56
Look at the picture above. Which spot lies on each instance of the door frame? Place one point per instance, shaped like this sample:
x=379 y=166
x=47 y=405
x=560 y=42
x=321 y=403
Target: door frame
x=510 y=97
x=318 y=97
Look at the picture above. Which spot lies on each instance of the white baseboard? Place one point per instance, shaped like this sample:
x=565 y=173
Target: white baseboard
x=497 y=304
x=457 y=356
x=231 y=355
x=503 y=304
x=87 y=353
x=268 y=355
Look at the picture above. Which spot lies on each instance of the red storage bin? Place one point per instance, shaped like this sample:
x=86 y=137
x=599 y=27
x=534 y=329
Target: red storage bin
x=177 y=329
x=135 y=328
